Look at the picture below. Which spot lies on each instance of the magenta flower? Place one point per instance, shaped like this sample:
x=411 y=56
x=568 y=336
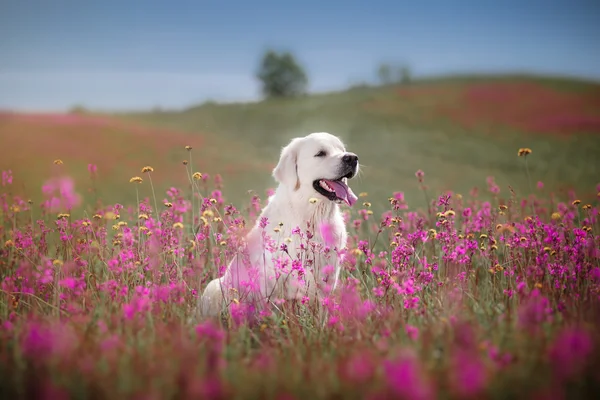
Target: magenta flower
x=405 y=378
x=469 y=373
x=570 y=352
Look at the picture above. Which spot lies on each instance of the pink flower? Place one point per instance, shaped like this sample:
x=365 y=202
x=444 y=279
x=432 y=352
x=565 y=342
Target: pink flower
x=405 y=378
x=420 y=174
x=412 y=332
x=68 y=282
x=359 y=368
x=469 y=373
x=326 y=231
x=7 y=177
x=570 y=351
x=61 y=194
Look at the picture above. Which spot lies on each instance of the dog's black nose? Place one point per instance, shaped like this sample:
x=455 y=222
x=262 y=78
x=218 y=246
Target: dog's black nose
x=350 y=159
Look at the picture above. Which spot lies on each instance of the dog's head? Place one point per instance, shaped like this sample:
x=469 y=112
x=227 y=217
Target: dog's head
x=318 y=163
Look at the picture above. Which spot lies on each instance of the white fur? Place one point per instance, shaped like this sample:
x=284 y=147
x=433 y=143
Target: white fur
x=288 y=208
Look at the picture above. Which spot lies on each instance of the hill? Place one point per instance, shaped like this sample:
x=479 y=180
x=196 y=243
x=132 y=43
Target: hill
x=459 y=131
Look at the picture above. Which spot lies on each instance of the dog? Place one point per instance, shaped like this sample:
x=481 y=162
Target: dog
x=276 y=262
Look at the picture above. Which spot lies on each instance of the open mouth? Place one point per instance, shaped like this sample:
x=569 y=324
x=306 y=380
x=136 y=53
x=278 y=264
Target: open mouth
x=336 y=189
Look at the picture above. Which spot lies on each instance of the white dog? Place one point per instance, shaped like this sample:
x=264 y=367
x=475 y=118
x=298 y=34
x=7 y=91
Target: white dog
x=312 y=173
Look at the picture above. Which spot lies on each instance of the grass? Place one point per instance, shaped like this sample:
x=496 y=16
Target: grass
x=488 y=293
x=473 y=299
x=434 y=127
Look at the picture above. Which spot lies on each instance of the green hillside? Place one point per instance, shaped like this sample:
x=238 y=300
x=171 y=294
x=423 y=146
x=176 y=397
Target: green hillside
x=459 y=131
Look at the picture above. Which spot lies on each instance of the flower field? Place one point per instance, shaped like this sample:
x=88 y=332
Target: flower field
x=468 y=298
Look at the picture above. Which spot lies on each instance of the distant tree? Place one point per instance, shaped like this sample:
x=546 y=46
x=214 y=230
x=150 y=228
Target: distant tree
x=384 y=73
x=404 y=74
x=78 y=109
x=281 y=75
x=390 y=74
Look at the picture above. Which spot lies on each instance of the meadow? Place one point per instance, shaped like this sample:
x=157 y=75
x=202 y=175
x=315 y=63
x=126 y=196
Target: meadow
x=472 y=268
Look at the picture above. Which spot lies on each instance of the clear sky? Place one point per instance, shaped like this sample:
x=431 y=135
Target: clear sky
x=109 y=54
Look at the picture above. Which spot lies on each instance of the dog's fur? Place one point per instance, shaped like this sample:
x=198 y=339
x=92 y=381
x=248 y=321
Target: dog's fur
x=301 y=165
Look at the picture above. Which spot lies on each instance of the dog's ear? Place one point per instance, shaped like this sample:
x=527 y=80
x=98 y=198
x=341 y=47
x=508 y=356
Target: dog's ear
x=286 y=171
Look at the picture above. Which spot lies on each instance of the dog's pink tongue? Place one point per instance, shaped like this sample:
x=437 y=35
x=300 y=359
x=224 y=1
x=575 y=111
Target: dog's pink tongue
x=343 y=192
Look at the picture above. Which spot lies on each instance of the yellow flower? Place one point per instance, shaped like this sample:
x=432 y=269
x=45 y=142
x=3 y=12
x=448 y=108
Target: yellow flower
x=188 y=148
x=223 y=243
x=147 y=169
x=363 y=194
x=58 y=162
x=576 y=202
x=57 y=263
x=122 y=223
x=587 y=207
x=277 y=229
x=288 y=240
x=312 y=200
x=208 y=213
x=185 y=162
x=136 y=179
x=168 y=205
x=556 y=216
x=9 y=243
x=450 y=213
x=60 y=216
x=524 y=151
x=143 y=216
x=367 y=204
x=433 y=233
x=503 y=207
x=197 y=176
x=483 y=236
x=213 y=201
x=177 y=225
x=97 y=216
x=523 y=239
x=357 y=252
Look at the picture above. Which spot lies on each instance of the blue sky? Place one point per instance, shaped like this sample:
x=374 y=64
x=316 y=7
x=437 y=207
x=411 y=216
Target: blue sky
x=140 y=54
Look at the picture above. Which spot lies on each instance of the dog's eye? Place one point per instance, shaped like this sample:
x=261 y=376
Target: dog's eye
x=322 y=153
